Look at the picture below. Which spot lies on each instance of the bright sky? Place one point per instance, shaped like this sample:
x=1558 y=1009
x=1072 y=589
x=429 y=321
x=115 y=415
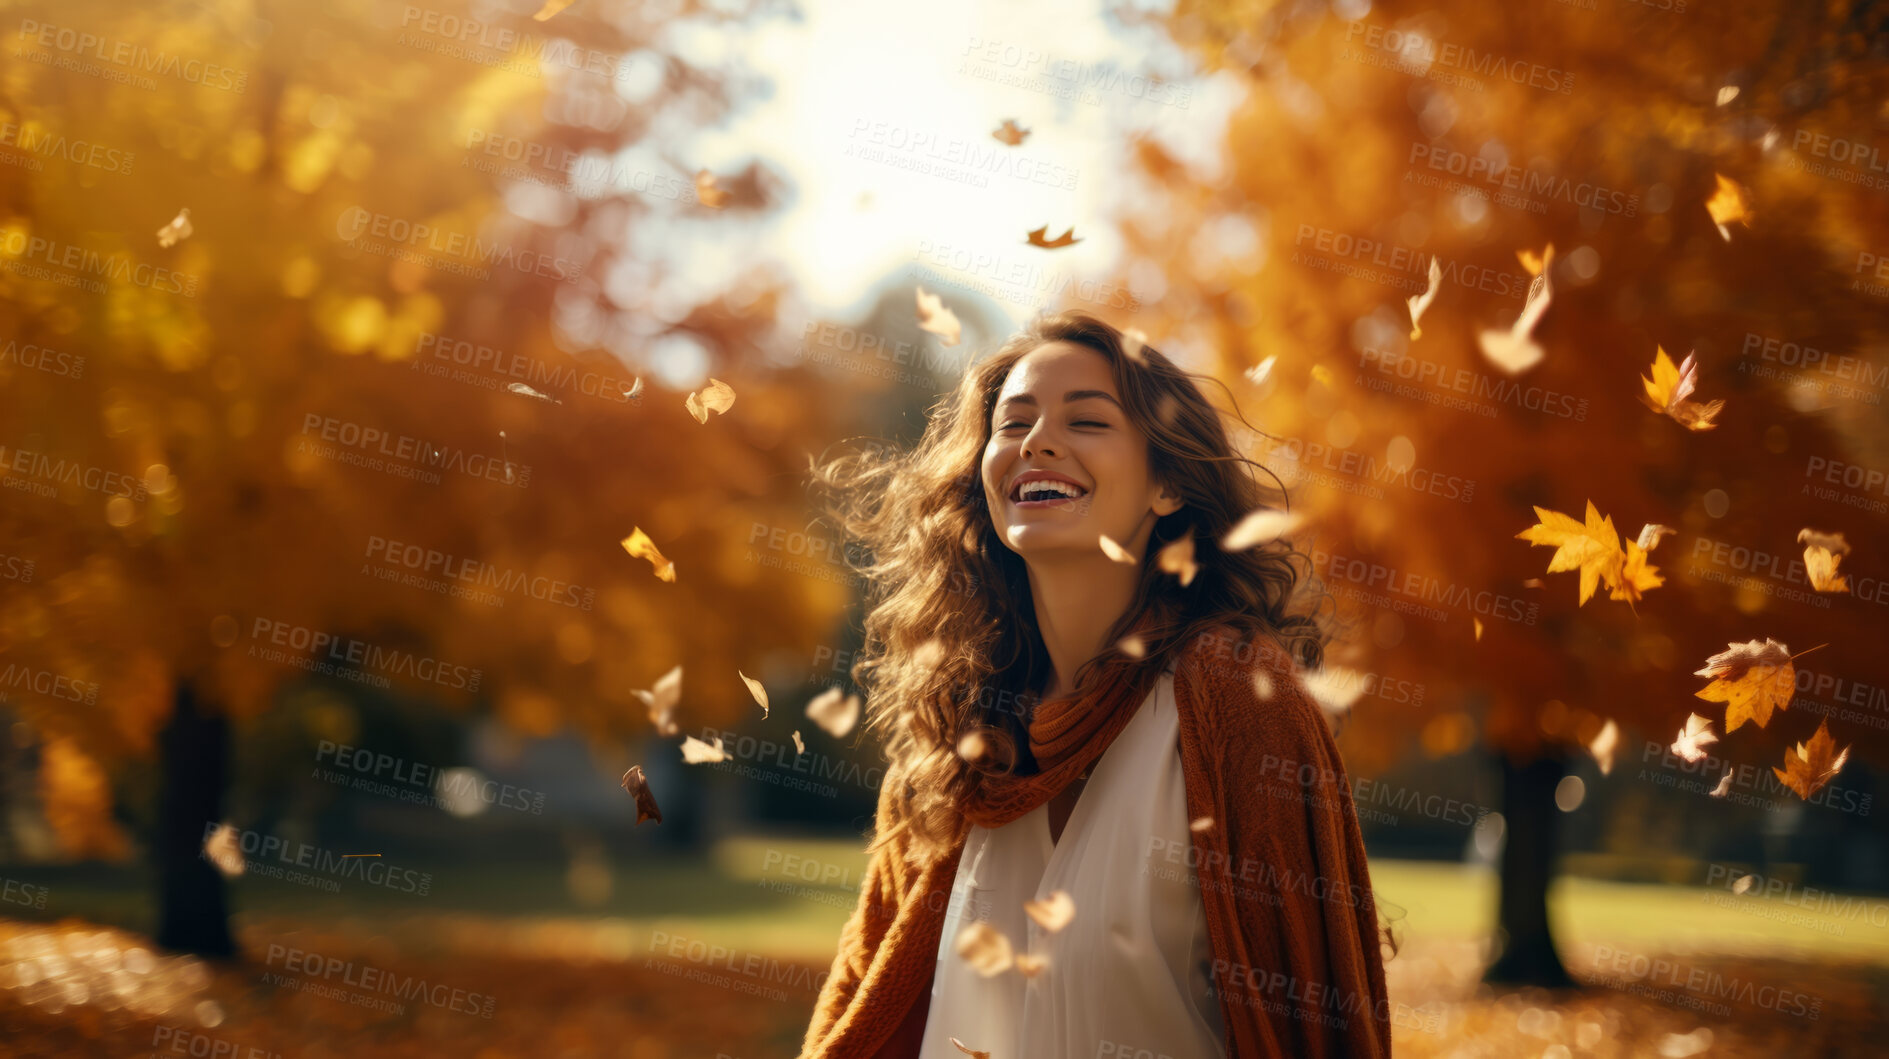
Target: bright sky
x=925 y=86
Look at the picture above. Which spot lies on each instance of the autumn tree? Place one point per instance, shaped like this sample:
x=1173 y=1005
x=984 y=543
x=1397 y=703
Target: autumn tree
x=1705 y=179
x=336 y=336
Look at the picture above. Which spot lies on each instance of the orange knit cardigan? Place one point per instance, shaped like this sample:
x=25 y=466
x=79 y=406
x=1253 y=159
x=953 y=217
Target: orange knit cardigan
x=1281 y=870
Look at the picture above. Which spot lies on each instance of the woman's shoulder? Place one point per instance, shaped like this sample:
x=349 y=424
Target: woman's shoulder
x=1247 y=687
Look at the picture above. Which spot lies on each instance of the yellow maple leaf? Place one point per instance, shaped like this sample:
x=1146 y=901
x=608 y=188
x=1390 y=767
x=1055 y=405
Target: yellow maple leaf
x=1751 y=679
x=1728 y=204
x=1635 y=576
x=639 y=545
x=1812 y=764
x=1669 y=392
x=1822 y=553
x=1593 y=548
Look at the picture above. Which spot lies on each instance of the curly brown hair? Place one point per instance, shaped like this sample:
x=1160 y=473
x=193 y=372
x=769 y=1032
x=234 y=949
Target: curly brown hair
x=951 y=643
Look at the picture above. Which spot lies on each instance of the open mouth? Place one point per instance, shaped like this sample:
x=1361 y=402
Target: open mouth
x=1047 y=493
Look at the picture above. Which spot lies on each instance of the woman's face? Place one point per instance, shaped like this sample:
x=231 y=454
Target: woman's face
x=1059 y=412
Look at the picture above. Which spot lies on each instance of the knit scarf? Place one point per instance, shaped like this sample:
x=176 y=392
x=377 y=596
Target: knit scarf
x=1283 y=880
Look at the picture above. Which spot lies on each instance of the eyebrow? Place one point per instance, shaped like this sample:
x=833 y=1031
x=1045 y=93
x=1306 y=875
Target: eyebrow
x=1073 y=395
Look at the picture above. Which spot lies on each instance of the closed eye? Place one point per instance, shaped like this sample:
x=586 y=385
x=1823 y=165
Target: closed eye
x=1079 y=423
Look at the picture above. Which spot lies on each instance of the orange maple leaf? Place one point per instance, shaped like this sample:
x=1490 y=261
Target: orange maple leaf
x=1040 y=237
x=1669 y=392
x=1751 y=679
x=1812 y=764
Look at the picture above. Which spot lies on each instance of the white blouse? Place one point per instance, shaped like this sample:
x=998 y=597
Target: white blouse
x=1129 y=976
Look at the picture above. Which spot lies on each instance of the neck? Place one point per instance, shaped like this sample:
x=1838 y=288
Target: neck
x=1076 y=601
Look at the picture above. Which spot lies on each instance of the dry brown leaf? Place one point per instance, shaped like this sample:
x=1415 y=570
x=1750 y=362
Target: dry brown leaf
x=1515 y=350
x=968 y=1050
x=640 y=546
x=1040 y=237
x=638 y=785
x=1260 y=526
x=1751 y=679
x=985 y=948
x=662 y=699
x=1009 y=133
x=1178 y=558
x=1604 y=745
x=1652 y=533
x=1693 y=737
x=1669 y=392
x=222 y=850
x=696 y=752
x=1420 y=302
x=755 y=689
x=1724 y=786
x=1812 y=764
x=1052 y=913
x=176 y=231
x=1822 y=553
x=717 y=396
x=935 y=318
x=834 y=713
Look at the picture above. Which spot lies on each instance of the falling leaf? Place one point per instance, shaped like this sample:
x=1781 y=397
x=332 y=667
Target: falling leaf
x=177 y=230
x=968 y=1050
x=1533 y=582
x=1116 y=552
x=1822 y=553
x=662 y=700
x=1334 y=688
x=635 y=390
x=1204 y=823
x=526 y=391
x=985 y=948
x=799 y=747
x=1134 y=342
x=1260 y=526
x=1040 y=237
x=1812 y=764
x=1683 y=1045
x=1604 y=745
x=1052 y=913
x=696 y=752
x=1515 y=350
x=1635 y=576
x=1009 y=133
x=1724 y=786
x=1652 y=533
x=1743 y=883
x=1751 y=679
x=1257 y=373
x=1178 y=558
x=936 y=319
x=551 y=7
x=1420 y=302
x=1262 y=684
x=1593 y=548
x=717 y=396
x=1669 y=392
x=640 y=546
x=706 y=191
x=1532 y=262
x=755 y=689
x=1728 y=204
x=1478 y=622
x=1693 y=737
x=834 y=715
x=638 y=785
x=1132 y=646
x=1029 y=966
x=1727 y=94
x=222 y=850
x=1322 y=375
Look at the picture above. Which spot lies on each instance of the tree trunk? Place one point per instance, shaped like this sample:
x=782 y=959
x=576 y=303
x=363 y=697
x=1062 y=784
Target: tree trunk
x=193 y=905
x=1531 y=822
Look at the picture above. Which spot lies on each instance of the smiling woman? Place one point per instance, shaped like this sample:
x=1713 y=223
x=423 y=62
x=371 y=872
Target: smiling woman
x=1084 y=488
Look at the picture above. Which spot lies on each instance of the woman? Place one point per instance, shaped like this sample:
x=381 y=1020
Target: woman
x=1078 y=708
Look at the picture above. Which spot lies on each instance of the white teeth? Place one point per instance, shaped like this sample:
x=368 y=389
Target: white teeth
x=1045 y=488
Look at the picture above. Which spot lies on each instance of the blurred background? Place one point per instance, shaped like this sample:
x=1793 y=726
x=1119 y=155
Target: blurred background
x=346 y=347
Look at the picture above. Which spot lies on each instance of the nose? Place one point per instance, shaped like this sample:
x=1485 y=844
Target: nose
x=1037 y=442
